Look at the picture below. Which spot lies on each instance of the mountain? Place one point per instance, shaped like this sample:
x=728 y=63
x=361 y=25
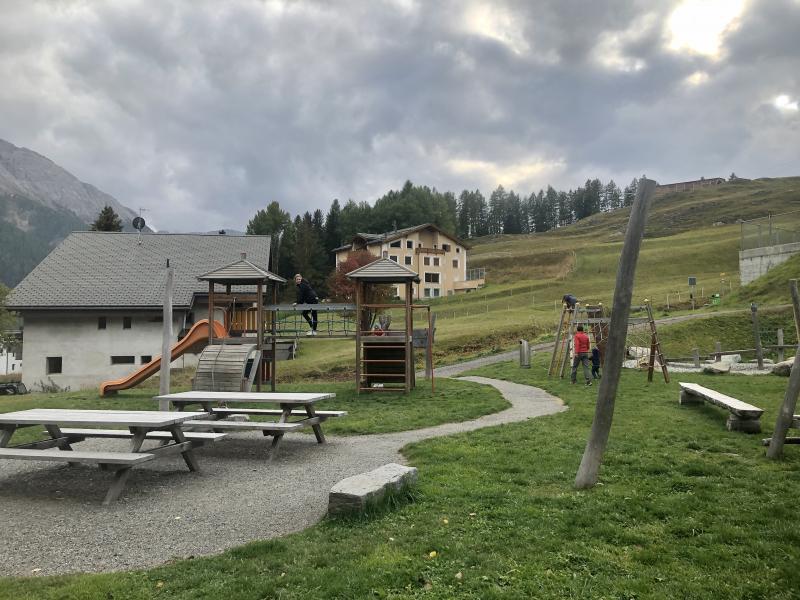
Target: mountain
x=40 y=203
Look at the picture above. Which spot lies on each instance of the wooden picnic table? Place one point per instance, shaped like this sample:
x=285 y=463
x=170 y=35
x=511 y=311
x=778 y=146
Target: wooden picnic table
x=165 y=427
x=296 y=411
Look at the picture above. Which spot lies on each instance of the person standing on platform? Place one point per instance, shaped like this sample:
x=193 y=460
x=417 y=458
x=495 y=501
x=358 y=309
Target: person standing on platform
x=570 y=301
x=582 y=354
x=307 y=295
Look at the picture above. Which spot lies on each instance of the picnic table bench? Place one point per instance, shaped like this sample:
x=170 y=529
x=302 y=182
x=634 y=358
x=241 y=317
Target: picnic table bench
x=142 y=425
x=743 y=416
x=295 y=413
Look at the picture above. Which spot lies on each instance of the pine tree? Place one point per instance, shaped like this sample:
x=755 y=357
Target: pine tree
x=272 y=222
x=107 y=220
x=333 y=231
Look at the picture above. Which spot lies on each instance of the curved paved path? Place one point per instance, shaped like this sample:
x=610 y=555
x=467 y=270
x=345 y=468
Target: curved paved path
x=53 y=521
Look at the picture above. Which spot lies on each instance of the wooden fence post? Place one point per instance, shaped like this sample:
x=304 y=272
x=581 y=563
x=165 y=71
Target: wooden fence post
x=786 y=414
x=780 y=345
x=589 y=469
x=717 y=351
x=757 y=335
x=696 y=356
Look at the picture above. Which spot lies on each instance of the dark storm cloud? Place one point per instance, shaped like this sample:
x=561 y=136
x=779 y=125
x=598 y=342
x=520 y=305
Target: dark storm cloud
x=205 y=111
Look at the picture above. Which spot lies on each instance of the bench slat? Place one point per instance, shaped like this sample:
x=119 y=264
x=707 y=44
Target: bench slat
x=277 y=411
x=737 y=407
x=193 y=436
x=244 y=425
x=106 y=458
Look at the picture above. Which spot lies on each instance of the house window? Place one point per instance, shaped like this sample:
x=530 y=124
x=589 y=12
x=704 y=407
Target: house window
x=446 y=247
x=126 y=322
x=427 y=261
x=407 y=260
x=123 y=360
x=410 y=244
x=431 y=277
x=455 y=263
x=385 y=254
x=101 y=322
x=458 y=249
x=53 y=366
x=427 y=292
x=395 y=244
x=435 y=261
x=145 y=358
x=393 y=257
x=435 y=292
x=435 y=246
x=419 y=245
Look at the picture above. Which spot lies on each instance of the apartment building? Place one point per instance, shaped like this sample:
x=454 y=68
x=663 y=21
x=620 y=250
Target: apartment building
x=438 y=257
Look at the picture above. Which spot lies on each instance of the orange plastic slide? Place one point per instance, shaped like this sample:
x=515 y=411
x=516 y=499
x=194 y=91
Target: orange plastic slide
x=196 y=338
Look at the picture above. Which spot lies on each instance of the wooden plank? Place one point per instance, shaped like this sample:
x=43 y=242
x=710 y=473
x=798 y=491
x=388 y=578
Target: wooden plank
x=49 y=443
x=299 y=398
x=108 y=458
x=142 y=418
x=151 y=435
x=276 y=411
x=245 y=425
x=737 y=407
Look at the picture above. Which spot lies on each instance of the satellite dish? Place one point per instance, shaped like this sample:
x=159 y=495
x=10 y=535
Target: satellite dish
x=138 y=223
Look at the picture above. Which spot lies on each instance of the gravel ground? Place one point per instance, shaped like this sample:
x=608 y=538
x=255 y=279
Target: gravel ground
x=53 y=521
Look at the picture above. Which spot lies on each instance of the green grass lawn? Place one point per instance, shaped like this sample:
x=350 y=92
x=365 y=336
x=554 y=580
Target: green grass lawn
x=685 y=509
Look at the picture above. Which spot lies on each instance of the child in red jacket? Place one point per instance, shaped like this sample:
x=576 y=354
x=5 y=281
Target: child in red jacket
x=582 y=355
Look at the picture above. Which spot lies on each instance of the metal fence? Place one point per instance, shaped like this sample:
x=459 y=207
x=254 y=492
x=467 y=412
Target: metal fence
x=771 y=231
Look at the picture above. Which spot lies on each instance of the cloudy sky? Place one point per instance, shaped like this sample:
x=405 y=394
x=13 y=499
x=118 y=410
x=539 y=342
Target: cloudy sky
x=204 y=111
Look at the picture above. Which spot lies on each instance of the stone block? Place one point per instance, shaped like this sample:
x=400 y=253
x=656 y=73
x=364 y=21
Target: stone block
x=746 y=425
x=717 y=368
x=784 y=369
x=352 y=495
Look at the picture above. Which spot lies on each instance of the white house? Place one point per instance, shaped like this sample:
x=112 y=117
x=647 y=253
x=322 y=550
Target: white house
x=92 y=309
x=10 y=361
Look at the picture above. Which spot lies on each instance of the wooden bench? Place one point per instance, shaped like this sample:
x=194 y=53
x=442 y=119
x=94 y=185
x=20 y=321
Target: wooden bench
x=743 y=416
x=277 y=411
x=199 y=438
x=276 y=430
x=125 y=459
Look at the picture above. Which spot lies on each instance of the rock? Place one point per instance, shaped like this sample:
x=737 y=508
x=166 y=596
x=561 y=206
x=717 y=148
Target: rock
x=784 y=369
x=355 y=493
x=732 y=358
x=717 y=368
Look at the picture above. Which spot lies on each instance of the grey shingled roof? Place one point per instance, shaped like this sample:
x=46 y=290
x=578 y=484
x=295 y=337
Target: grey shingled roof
x=241 y=272
x=384 y=270
x=92 y=269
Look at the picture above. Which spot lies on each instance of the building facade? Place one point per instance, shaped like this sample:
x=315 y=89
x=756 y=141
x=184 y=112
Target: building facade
x=92 y=309
x=439 y=258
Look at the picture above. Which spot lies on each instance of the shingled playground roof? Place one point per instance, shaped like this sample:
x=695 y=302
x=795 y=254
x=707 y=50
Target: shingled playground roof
x=94 y=269
x=242 y=272
x=384 y=270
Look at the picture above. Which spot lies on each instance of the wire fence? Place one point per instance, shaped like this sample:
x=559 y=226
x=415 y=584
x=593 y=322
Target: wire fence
x=772 y=230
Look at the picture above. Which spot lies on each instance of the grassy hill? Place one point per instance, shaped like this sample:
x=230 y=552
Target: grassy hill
x=688 y=234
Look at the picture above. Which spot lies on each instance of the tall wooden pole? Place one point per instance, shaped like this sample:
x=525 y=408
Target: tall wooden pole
x=274 y=344
x=260 y=329
x=358 y=335
x=757 y=335
x=409 y=338
x=166 y=339
x=589 y=469
x=210 y=312
x=786 y=415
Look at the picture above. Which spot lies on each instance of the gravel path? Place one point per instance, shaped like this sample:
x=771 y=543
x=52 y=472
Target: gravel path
x=53 y=521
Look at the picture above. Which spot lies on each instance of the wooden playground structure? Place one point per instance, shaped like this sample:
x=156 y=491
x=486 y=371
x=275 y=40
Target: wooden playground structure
x=642 y=333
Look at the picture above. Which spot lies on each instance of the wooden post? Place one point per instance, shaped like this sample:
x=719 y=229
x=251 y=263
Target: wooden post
x=409 y=339
x=210 y=312
x=786 y=415
x=589 y=469
x=696 y=357
x=358 y=336
x=717 y=351
x=780 y=345
x=166 y=339
x=757 y=335
x=429 y=357
x=273 y=368
x=261 y=332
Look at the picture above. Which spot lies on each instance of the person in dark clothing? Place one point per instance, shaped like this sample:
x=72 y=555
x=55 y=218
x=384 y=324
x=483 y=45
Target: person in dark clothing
x=581 y=341
x=569 y=300
x=307 y=295
x=595 y=363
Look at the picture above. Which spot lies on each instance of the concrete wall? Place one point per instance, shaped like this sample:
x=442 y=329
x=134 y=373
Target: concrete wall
x=755 y=262
x=86 y=350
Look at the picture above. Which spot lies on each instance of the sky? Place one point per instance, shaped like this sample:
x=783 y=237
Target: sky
x=203 y=112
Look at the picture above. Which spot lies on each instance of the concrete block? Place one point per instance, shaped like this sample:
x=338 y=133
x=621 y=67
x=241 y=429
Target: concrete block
x=354 y=493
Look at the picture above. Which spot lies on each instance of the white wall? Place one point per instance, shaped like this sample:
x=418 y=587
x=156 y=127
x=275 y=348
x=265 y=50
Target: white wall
x=10 y=364
x=757 y=261
x=86 y=351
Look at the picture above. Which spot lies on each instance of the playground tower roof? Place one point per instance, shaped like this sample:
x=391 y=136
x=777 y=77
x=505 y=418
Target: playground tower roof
x=384 y=270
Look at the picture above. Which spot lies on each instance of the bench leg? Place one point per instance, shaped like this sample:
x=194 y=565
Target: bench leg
x=5 y=434
x=273 y=448
x=317 y=428
x=746 y=425
x=120 y=478
x=55 y=433
x=188 y=455
x=687 y=398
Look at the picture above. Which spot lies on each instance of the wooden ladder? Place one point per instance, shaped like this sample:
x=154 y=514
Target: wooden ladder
x=563 y=342
x=655 y=348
